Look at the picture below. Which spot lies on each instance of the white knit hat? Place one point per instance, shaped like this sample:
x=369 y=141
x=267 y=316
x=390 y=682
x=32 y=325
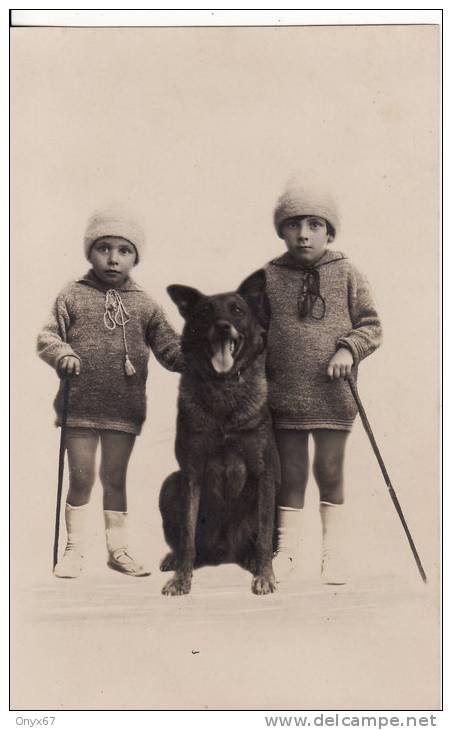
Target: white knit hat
x=299 y=200
x=114 y=222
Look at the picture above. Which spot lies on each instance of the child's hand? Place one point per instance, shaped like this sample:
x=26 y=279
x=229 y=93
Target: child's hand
x=69 y=365
x=340 y=365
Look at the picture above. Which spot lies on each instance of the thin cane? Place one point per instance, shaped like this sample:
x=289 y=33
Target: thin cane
x=368 y=430
x=61 y=468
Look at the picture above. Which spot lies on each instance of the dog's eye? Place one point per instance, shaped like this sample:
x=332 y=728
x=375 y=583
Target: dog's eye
x=236 y=309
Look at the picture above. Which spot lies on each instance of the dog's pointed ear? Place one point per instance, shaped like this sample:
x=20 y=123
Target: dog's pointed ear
x=253 y=291
x=185 y=297
x=254 y=285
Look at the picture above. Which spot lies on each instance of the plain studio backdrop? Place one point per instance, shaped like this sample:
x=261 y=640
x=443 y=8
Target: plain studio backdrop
x=199 y=129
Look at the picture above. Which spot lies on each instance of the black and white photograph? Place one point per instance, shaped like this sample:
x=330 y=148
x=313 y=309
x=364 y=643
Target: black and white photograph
x=225 y=381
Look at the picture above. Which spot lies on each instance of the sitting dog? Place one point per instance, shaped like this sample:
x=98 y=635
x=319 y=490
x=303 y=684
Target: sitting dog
x=220 y=506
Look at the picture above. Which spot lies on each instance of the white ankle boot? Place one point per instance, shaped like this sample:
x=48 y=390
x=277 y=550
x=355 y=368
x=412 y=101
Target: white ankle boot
x=289 y=539
x=333 y=569
x=119 y=557
x=70 y=565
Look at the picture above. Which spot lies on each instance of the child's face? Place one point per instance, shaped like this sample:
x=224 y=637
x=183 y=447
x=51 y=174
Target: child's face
x=112 y=258
x=306 y=238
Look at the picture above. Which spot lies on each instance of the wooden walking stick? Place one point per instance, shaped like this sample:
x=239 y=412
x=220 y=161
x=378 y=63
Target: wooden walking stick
x=66 y=390
x=368 y=430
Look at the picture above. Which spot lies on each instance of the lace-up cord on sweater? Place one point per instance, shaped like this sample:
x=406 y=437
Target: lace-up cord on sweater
x=116 y=315
x=310 y=295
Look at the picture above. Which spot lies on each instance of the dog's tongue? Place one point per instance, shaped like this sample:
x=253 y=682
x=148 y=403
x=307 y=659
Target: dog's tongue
x=222 y=359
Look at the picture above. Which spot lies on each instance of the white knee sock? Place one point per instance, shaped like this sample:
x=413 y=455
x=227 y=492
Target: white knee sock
x=333 y=531
x=116 y=530
x=290 y=523
x=75 y=518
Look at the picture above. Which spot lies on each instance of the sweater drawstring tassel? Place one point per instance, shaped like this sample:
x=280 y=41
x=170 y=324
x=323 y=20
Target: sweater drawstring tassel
x=116 y=315
x=128 y=367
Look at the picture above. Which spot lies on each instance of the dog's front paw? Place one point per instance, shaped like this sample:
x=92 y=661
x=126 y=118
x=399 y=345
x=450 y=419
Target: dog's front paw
x=169 y=562
x=249 y=564
x=177 y=586
x=263 y=584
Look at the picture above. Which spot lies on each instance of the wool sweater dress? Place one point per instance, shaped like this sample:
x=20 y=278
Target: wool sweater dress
x=103 y=396
x=342 y=314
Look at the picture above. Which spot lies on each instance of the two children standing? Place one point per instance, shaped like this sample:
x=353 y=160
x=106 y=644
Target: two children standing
x=103 y=326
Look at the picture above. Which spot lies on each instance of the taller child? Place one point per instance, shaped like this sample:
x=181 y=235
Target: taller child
x=100 y=333
x=324 y=322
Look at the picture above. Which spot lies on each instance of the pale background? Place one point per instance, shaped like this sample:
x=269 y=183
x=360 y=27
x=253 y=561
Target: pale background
x=200 y=128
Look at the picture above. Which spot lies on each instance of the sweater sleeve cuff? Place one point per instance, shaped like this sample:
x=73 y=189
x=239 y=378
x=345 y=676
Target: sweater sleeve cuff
x=179 y=363
x=64 y=351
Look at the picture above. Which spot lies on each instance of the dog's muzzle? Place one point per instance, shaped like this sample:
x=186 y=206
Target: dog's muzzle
x=226 y=344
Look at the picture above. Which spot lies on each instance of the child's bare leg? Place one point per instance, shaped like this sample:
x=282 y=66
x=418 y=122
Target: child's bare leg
x=329 y=474
x=328 y=464
x=81 y=447
x=294 y=458
x=116 y=450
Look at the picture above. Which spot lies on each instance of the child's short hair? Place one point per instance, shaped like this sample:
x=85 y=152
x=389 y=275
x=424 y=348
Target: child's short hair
x=114 y=222
x=329 y=229
x=299 y=201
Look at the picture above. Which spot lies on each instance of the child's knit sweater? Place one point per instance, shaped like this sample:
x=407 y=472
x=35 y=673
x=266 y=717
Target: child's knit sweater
x=300 y=348
x=103 y=396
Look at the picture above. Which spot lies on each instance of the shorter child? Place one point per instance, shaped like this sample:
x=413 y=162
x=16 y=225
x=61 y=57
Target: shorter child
x=323 y=324
x=100 y=332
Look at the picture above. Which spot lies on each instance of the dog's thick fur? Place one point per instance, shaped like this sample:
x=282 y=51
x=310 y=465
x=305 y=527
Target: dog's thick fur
x=220 y=506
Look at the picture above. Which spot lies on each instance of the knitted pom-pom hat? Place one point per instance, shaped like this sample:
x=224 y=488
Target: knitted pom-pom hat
x=114 y=222
x=298 y=199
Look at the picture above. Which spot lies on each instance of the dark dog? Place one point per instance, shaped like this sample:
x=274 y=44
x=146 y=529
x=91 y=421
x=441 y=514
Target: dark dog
x=219 y=508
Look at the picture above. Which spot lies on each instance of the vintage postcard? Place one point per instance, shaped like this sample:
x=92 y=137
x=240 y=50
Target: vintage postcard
x=316 y=148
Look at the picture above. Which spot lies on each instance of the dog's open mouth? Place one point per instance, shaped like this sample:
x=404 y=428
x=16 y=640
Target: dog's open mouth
x=225 y=349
